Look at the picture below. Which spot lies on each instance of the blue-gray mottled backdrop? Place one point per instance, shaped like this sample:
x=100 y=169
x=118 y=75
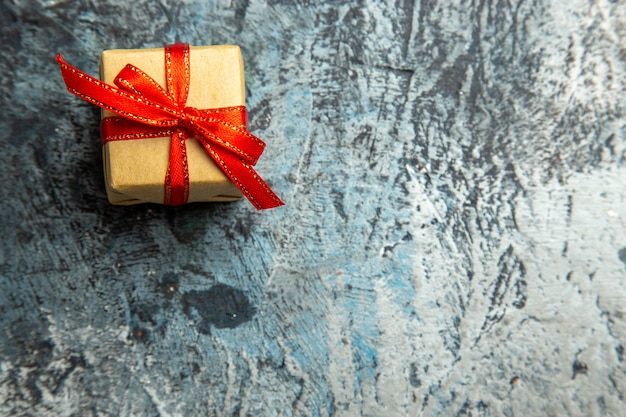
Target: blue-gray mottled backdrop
x=454 y=240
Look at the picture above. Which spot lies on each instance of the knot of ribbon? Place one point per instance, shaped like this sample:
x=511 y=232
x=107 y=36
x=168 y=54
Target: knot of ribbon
x=146 y=110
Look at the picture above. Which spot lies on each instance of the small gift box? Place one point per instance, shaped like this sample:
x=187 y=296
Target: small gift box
x=174 y=125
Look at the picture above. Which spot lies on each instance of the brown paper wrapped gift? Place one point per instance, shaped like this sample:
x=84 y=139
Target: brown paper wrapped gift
x=135 y=169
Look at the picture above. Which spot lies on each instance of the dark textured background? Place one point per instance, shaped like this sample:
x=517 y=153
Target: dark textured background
x=454 y=240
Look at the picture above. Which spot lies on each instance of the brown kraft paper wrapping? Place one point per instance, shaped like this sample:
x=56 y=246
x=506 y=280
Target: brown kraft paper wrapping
x=134 y=170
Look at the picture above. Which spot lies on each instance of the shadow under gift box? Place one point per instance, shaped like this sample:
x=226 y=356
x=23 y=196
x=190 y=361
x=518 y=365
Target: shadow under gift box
x=135 y=170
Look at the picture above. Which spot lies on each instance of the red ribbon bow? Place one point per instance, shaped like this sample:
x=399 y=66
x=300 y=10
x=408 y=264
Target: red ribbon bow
x=147 y=110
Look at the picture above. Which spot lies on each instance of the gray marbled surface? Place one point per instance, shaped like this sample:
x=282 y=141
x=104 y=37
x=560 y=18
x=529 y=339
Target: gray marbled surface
x=454 y=240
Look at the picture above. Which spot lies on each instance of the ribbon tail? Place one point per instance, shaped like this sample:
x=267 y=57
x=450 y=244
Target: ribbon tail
x=113 y=99
x=230 y=138
x=255 y=189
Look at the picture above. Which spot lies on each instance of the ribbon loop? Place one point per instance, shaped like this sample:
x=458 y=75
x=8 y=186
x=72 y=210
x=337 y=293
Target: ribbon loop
x=147 y=110
x=136 y=82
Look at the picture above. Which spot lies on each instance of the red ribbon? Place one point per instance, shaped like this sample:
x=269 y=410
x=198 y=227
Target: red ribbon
x=147 y=110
